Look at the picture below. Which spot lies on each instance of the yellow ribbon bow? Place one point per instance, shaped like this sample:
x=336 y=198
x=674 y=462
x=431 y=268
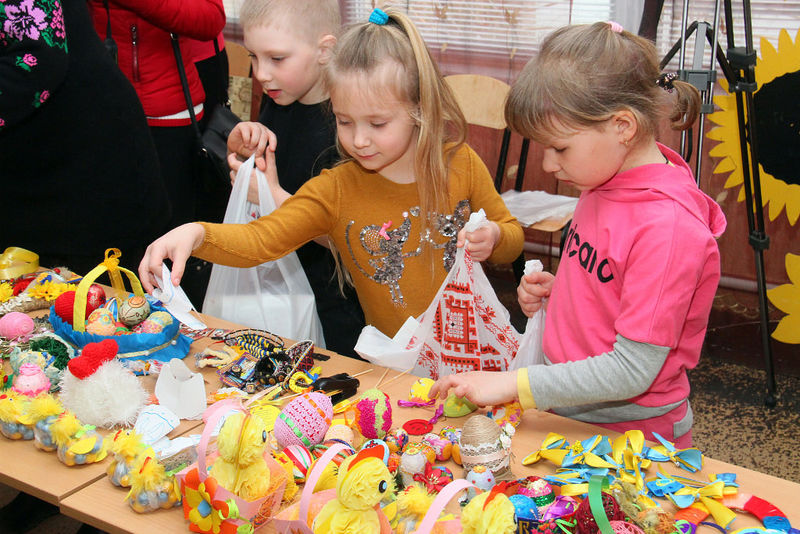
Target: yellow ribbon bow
x=707 y=495
x=627 y=452
x=16 y=261
x=551 y=450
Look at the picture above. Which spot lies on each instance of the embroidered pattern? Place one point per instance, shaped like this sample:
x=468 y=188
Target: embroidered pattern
x=386 y=245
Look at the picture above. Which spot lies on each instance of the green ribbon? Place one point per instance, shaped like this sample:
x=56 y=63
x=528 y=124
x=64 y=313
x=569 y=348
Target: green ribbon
x=597 y=484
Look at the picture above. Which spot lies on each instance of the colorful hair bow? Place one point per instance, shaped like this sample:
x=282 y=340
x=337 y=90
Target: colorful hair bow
x=707 y=495
x=552 y=444
x=690 y=459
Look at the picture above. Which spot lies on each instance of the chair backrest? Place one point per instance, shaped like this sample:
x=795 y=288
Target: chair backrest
x=238 y=59
x=482 y=100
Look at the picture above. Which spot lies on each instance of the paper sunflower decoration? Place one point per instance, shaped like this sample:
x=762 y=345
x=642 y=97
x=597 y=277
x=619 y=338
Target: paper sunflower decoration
x=777 y=129
x=786 y=298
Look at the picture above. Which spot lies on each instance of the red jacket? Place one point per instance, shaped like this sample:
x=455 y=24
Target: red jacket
x=141 y=29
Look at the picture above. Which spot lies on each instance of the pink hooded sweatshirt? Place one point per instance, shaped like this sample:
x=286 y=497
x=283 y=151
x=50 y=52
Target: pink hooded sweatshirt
x=640 y=260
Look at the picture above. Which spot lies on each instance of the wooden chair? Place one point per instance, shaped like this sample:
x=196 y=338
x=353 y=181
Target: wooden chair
x=482 y=100
x=238 y=59
x=240 y=88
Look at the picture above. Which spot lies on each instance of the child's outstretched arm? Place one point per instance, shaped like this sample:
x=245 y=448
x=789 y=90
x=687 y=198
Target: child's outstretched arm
x=177 y=245
x=532 y=290
x=479 y=387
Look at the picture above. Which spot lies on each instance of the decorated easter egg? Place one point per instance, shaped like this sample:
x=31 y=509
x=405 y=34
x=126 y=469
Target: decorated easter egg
x=133 y=310
x=420 y=390
x=396 y=439
x=304 y=421
x=15 y=325
x=301 y=459
x=483 y=442
x=95 y=297
x=160 y=317
x=524 y=507
x=31 y=380
x=458 y=406
x=442 y=446
x=481 y=476
x=147 y=327
x=374 y=414
x=101 y=322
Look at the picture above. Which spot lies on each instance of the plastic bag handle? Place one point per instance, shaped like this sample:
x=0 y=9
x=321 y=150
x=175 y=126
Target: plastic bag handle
x=314 y=476
x=212 y=416
x=441 y=500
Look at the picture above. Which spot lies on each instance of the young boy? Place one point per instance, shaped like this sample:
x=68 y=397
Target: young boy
x=290 y=41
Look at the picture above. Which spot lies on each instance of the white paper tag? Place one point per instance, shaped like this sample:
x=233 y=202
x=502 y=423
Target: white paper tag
x=176 y=301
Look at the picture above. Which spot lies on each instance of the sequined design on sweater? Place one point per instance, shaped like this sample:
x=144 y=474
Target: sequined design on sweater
x=386 y=247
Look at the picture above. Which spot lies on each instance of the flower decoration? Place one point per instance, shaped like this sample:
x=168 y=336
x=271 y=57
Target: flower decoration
x=785 y=297
x=49 y=290
x=434 y=478
x=199 y=504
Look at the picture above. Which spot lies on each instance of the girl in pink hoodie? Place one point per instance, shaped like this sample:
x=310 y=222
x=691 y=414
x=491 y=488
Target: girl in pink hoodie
x=628 y=309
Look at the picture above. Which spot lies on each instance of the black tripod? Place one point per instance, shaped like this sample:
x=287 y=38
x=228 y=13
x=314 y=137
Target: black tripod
x=739 y=70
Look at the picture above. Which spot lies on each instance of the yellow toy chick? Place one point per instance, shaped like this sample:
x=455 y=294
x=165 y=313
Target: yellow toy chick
x=363 y=481
x=42 y=411
x=125 y=445
x=490 y=512
x=12 y=407
x=76 y=443
x=240 y=467
x=151 y=487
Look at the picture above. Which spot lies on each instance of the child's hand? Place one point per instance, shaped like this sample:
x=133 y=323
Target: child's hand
x=532 y=290
x=248 y=138
x=177 y=245
x=481 y=241
x=252 y=189
x=479 y=387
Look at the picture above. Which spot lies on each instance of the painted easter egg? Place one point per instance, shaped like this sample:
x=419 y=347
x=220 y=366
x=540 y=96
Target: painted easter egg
x=160 y=317
x=301 y=458
x=101 y=322
x=374 y=414
x=133 y=310
x=148 y=327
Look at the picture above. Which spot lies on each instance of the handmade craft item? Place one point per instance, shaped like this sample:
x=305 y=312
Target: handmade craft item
x=373 y=413
x=441 y=446
x=76 y=443
x=16 y=326
x=98 y=388
x=510 y=412
x=207 y=505
x=301 y=460
x=481 y=478
x=304 y=421
x=43 y=360
x=125 y=446
x=434 y=477
x=240 y=467
x=42 y=411
x=12 y=408
x=458 y=406
x=489 y=512
x=136 y=349
x=524 y=508
x=541 y=493
x=31 y=380
x=484 y=443
x=151 y=487
x=363 y=481
x=413 y=460
x=133 y=310
x=396 y=439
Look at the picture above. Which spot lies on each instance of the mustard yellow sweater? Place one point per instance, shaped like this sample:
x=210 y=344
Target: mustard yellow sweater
x=375 y=225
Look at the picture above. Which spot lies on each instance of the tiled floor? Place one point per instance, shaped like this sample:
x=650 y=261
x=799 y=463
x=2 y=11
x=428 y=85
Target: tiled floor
x=728 y=392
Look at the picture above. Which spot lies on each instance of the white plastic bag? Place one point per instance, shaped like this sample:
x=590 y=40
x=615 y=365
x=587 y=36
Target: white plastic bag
x=465 y=328
x=274 y=296
x=530 y=346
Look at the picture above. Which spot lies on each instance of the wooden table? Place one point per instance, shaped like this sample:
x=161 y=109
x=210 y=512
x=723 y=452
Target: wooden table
x=84 y=493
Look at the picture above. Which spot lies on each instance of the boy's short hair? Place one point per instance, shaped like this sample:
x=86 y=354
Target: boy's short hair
x=309 y=18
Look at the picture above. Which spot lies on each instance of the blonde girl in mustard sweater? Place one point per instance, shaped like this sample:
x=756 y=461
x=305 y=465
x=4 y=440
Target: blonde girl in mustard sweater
x=395 y=208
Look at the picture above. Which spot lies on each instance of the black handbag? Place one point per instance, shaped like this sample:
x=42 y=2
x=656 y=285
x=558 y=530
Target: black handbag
x=212 y=146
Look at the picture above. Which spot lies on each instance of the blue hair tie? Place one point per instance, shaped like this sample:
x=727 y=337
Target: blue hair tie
x=378 y=16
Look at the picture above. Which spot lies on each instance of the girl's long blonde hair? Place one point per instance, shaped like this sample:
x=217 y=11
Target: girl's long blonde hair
x=413 y=77
x=583 y=74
